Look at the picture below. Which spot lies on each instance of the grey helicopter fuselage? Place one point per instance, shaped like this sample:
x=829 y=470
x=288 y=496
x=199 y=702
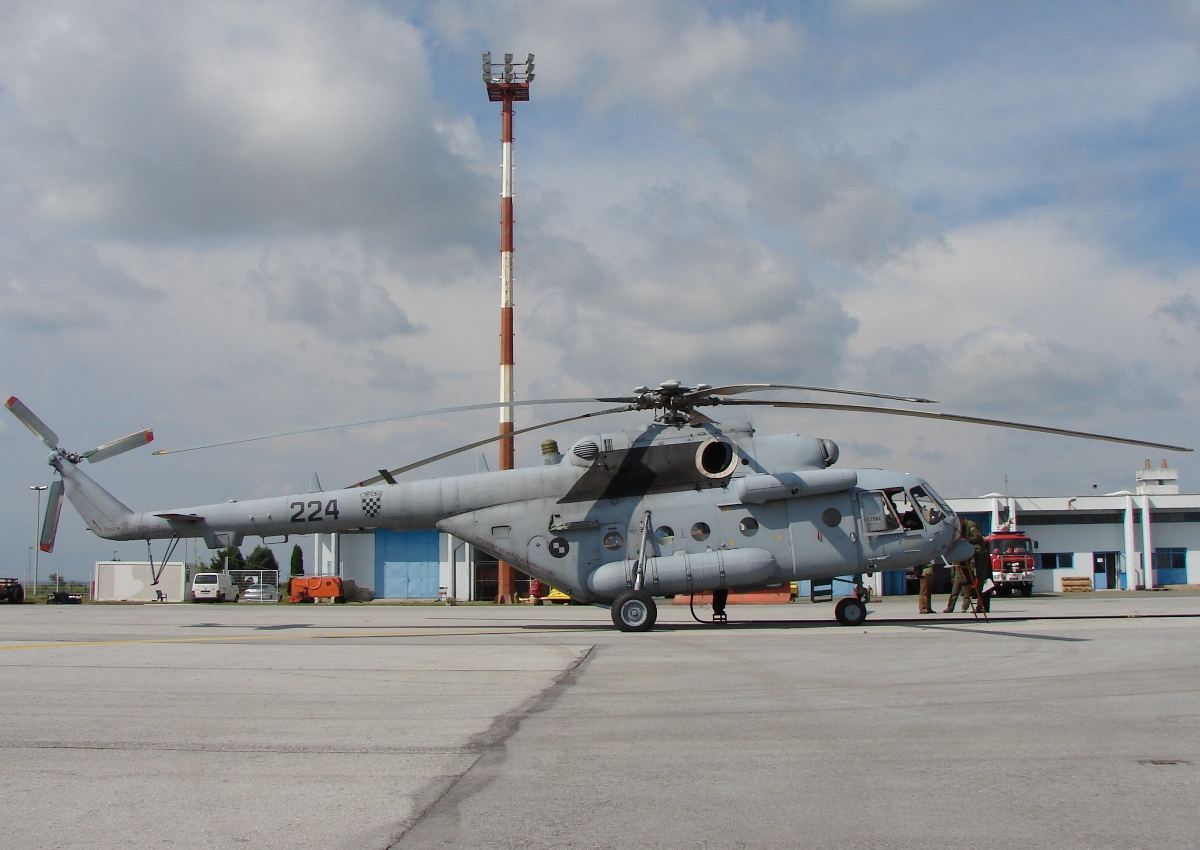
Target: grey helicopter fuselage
x=681 y=508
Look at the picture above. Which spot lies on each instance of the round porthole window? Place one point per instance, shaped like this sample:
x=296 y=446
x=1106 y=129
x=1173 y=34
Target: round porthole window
x=700 y=531
x=832 y=517
x=665 y=535
x=613 y=540
x=749 y=526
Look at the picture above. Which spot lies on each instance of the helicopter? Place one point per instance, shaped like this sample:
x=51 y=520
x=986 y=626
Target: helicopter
x=682 y=505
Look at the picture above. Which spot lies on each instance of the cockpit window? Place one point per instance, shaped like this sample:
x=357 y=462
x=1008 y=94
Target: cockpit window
x=928 y=506
x=905 y=509
x=946 y=509
x=877 y=513
x=1011 y=546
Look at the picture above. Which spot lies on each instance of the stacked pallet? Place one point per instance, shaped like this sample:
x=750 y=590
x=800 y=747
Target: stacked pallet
x=1076 y=584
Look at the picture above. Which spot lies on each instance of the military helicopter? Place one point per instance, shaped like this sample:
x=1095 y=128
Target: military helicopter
x=682 y=505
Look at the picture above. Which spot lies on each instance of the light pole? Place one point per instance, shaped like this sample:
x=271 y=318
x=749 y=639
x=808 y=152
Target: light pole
x=37 y=533
x=509 y=85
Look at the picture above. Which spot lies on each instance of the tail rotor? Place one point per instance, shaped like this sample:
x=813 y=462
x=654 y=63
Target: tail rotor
x=57 y=490
x=47 y=436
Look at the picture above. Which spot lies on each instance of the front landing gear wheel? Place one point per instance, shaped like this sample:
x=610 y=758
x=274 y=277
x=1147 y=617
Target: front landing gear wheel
x=634 y=611
x=850 y=611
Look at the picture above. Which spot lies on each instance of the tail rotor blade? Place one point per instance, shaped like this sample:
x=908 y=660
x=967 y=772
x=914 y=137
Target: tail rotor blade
x=54 y=503
x=120 y=446
x=31 y=421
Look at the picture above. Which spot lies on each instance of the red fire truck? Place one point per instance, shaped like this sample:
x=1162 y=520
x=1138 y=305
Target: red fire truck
x=1012 y=562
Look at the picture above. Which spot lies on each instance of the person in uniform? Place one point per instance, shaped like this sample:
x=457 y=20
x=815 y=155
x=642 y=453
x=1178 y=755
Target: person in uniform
x=924 y=601
x=982 y=564
x=964 y=573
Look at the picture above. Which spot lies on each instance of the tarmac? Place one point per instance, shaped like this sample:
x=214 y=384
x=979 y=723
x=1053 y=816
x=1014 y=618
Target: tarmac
x=1062 y=722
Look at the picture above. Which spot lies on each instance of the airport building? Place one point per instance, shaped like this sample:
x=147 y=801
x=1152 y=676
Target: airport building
x=1110 y=539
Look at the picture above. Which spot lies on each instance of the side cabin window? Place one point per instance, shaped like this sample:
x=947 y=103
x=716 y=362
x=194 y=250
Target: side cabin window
x=906 y=510
x=930 y=509
x=878 y=515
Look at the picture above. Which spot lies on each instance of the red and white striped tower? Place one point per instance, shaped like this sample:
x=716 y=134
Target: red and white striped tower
x=509 y=86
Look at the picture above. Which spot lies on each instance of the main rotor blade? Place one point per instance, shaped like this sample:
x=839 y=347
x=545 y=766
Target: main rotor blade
x=54 y=501
x=31 y=421
x=440 y=410
x=117 y=447
x=394 y=472
x=954 y=417
x=737 y=389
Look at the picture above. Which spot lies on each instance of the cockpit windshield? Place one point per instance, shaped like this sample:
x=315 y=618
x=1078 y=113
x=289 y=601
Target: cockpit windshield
x=931 y=509
x=1011 y=546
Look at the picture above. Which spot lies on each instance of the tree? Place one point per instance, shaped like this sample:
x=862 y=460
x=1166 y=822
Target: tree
x=297 y=560
x=229 y=558
x=262 y=558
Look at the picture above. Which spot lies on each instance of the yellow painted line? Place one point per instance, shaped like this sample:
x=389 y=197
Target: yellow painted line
x=291 y=634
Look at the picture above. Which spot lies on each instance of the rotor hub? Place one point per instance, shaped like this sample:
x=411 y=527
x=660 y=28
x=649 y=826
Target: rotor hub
x=672 y=402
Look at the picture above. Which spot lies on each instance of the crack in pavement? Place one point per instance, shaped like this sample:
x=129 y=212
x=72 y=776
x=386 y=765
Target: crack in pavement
x=435 y=809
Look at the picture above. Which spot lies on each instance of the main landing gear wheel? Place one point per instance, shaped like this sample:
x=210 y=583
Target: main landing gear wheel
x=634 y=611
x=850 y=611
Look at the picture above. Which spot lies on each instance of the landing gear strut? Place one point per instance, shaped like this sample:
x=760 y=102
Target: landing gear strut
x=720 y=597
x=634 y=611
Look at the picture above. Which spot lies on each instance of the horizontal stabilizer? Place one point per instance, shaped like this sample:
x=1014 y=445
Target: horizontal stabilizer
x=180 y=517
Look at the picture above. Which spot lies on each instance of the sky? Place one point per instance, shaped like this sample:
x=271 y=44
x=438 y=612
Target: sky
x=221 y=219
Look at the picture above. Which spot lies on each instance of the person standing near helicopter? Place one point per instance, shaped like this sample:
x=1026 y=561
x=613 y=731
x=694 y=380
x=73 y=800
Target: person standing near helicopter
x=964 y=573
x=982 y=563
x=924 y=601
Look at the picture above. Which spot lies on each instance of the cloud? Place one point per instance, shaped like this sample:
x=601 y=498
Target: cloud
x=689 y=293
x=224 y=118
x=1182 y=309
x=50 y=284
x=1022 y=319
x=837 y=203
x=1007 y=373
x=393 y=372
x=853 y=8
x=680 y=57
x=342 y=305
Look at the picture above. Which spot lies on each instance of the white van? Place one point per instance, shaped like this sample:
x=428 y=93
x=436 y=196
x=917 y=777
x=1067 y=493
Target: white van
x=214 y=587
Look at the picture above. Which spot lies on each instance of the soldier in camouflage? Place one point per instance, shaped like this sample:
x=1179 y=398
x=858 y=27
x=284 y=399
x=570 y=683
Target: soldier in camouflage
x=964 y=573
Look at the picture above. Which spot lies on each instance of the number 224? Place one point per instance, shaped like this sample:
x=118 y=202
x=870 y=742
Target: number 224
x=331 y=509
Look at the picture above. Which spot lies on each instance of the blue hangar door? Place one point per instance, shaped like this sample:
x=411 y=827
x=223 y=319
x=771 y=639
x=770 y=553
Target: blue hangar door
x=407 y=564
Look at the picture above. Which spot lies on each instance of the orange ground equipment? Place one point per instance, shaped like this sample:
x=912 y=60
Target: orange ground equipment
x=312 y=588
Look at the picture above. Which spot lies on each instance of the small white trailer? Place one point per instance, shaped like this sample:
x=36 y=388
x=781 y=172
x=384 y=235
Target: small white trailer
x=133 y=581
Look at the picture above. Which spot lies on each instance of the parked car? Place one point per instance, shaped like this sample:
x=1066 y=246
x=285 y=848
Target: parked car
x=62 y=597
x=260 y=593
x=214 y=587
